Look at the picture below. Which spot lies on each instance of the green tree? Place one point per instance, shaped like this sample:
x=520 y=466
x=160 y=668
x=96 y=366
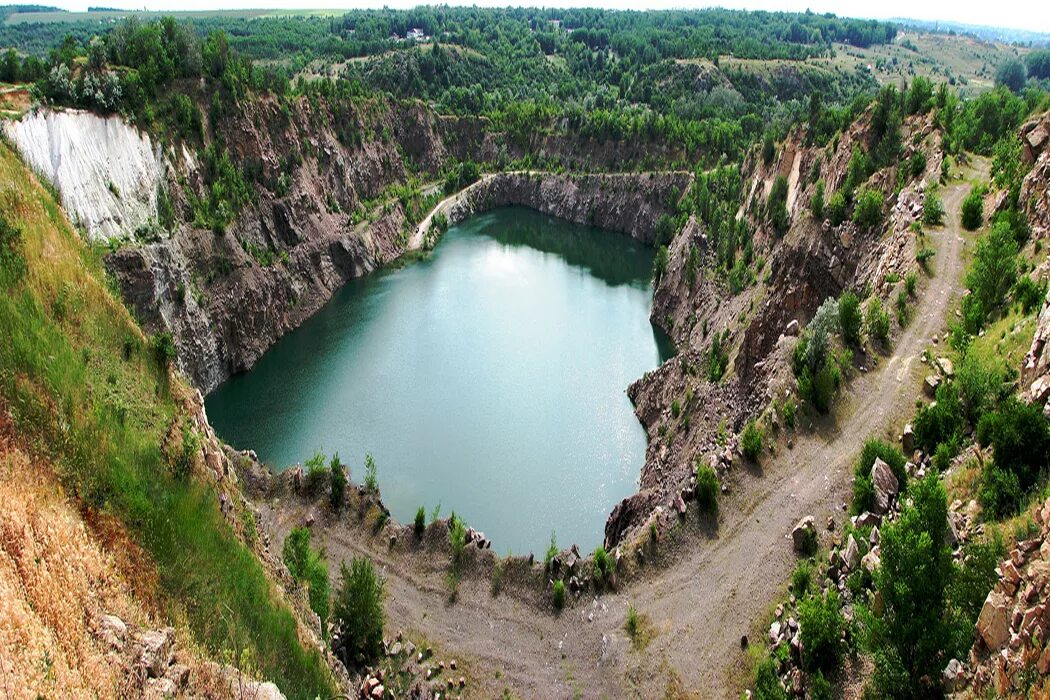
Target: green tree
x=916 y=568
x=868 y=212
x=816 y=203
x=850 y=320
x=776 y=205
x=973 y=210
x=994 y=269
x=751 y=441
x=359 y=612
x=338 y=482
x=1011 y=74
x=821 y=623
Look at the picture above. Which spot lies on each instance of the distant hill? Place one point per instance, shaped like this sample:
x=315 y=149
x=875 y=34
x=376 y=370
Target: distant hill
x=7 y=10
x=1003 y=34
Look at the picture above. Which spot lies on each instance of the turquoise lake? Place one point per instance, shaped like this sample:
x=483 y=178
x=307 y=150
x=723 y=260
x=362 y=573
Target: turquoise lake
x=489 y=377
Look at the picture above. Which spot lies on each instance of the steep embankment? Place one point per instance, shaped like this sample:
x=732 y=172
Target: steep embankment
x=85 y=396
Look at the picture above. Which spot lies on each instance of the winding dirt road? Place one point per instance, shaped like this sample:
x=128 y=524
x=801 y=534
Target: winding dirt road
x=718 y=582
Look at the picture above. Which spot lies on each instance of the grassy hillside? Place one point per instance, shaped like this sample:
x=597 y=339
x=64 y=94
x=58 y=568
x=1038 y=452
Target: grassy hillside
x=89 y=393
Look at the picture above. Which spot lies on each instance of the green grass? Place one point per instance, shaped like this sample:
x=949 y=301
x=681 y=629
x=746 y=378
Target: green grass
x=86 y=390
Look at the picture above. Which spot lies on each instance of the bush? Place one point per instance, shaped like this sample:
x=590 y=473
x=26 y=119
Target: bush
x=942 y=420
x=994 y=269
x=421 y=522
x=767 y=681
x=973 y=210
x=981 y=383
x=932 y=209
x=810 y=544
x=751 y=441
x=877 y=321
x=868 y=212
x=816 y=203
x=849 y=318
x=371 y=482
x=1000 y=492
x=821 y=623
x=338 y=482
x=603 y=564
x=875 y=448
x=317 y=474
x=552 y=551
x=308 y=566
x=912 y=580
x=837 y=208
x=776 y=205
x=359 y=612
x=801 y=579
x=707 y=489
x=660 y=263
x=1020 y=438
x=12 y=261
x=558 y=595
x=820 y=688
x=717 y=358
x=457 y=541
x=1029 y=293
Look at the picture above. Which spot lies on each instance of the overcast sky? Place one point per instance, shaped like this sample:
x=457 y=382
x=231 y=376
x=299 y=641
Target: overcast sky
x=1033 y=15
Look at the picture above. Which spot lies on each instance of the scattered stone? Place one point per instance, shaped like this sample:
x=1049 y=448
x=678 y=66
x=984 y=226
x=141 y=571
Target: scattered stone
x=930 y=384
x=792 y=328
x=885 y=483
x=954 y=676
x=156 y=651
x=993 y=624
x=799 y=532
x=851 y=557
x=908 y=439
x=113 y=631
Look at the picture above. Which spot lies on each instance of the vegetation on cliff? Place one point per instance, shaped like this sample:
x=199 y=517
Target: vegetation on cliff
x=88 y=391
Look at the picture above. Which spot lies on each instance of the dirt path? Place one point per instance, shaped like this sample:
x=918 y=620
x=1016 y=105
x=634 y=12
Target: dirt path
x=704 y=604
x=718 y=584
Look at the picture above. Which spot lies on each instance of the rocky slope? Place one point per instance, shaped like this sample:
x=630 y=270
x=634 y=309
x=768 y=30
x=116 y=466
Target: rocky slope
x=107 y=171
x=812 y=261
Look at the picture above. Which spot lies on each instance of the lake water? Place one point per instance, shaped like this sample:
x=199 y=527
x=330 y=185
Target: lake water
x=489 y=378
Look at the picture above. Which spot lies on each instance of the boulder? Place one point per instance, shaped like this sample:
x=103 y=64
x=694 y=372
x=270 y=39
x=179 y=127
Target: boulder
x=851 y=556
x=792 y=328
x=799 y=532
x=930 y=384
x=908 y=439
x=113 y=631
x=885 y=484
x=870 y=562
x=946 y=367
x=993 y=624
x=156 y=651
x=954 y=676
x=867 y=519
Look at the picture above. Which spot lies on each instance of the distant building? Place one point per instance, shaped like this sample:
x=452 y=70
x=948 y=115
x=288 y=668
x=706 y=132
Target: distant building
x=416 y=34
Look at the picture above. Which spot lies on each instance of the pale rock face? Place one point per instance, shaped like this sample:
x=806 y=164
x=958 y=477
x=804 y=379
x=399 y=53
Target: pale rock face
x=106 y=170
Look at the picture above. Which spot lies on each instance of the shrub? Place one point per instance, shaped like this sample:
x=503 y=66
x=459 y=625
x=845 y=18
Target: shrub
x=837 y=208
x=371 y=482
x=932 y=209
x=910 y=282
x=660 y=263
x=776 y=205
x=359 y=612
x=850 y=318
x=12 y=261
x=994 y=268
x=788 y=410
x=603 y=564
x=338 y=482
x=707 y=489
x=890 y=454
x=801 y=579
x=1000 y=491
x=317 y=474
x=308 y=566
x=916 y=566
x=821 y=623
x=877 y=321
x=421 y=522
x=632 y=624
x=558 y=594
x=820 y=688
x=717 y=358
x=552 y=551
x=816 y=203
x=751 y=441
x=164 y=349
x=457 y=540
x=981 y=383
x=1020 y=438
x=941 y=421
x=810 y=544
x=1029 y=293
x=973 y=210
x=767 y=681
x=868 y=212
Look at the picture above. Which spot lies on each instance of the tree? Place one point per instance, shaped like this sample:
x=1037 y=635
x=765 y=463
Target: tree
x=1039 y=64
x=973 y=210
x=994 y=269
x=868 y=213
x=1011 y=74
x=821 y=623
x=359 y=615
x=776 y=206
x=916 y=567
x=850 y=317
x=816 y=204
x=1020 y=438
x=920 y=95
x=338 y=482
